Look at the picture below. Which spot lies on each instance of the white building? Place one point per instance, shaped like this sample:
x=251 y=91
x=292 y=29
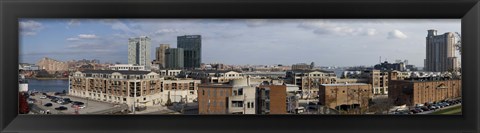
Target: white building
x=139 y=51
x=242 y=100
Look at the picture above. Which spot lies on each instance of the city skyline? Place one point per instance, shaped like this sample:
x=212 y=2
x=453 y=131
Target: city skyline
x=237 y=41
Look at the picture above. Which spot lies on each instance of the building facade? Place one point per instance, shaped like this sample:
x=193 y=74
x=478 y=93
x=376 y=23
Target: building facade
x=174 y=58
x=237 y=97
x=160 y=55
x=272 y=99
x=423 y=90
x=52 y=65
x=341 y=96
x=310 y=80
x=192 y=46
x=127 y=67
x=126 y=87
x=212 y=76
x=440 y=52
x=139 y=51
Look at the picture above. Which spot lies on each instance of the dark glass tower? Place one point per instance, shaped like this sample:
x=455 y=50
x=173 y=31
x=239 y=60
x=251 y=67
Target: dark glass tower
x=192 y=46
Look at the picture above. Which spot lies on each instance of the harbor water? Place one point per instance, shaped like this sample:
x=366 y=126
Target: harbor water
x=50 y=85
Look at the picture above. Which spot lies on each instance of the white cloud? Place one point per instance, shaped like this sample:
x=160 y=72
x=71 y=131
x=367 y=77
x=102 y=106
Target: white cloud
x=72 y=39
x=30 y=27
x=322 y=27
x=256 y=22
x=396 y=34
x=164 y=31
x=87 y=36
x=82 y=37
x=73 y=22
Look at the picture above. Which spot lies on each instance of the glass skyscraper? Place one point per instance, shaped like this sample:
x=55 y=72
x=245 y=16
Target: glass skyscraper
x=192 y=46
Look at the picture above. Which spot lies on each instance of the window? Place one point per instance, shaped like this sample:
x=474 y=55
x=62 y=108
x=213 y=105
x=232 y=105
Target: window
x=203 y=92
x=240 y=91
x=237 y=103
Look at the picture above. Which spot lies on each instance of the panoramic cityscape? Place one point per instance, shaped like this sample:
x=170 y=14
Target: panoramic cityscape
x=240 y=66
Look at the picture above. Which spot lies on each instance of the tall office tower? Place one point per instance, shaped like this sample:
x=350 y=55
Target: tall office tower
x=192 y=46
x=139 y=51
x=440 y=52
x=174 y=58
x=160 y=55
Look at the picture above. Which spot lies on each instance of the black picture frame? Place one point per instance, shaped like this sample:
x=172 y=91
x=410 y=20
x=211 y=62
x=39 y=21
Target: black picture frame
x=12 y=10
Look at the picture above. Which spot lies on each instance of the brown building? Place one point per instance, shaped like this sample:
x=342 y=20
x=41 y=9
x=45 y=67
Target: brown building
x=208 y=94
x=271 y=99
x=336 y=96
x=423 y=90
x=160 y=55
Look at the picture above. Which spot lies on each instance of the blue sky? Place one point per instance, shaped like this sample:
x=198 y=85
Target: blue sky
x=327 y=42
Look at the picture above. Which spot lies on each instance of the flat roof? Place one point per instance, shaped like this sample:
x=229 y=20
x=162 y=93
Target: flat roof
x=344 y=84
x=119 y=71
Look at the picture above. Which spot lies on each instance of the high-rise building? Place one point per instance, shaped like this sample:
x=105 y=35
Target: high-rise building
x=440 y=52
x=174 y=58
x=192 y=46
x=160 y=55
x=139 y=51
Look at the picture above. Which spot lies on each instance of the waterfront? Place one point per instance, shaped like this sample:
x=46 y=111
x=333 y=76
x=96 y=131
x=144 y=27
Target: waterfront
x=51 y=85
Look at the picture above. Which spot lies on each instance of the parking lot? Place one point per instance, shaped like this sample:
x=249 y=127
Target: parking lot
x=92 y=106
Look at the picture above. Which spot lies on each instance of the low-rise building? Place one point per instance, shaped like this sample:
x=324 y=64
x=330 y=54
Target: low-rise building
x=212 y=76
x=414 y=91
x=126 y=87
x=236 y=97
x=127 y=67
x=310 y=80
x=272 y=99
x=345 y=96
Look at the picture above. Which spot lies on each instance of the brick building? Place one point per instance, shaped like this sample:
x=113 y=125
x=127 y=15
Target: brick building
x=271 y=99
x=236 y=97
x=422 y=90
x=336 y=96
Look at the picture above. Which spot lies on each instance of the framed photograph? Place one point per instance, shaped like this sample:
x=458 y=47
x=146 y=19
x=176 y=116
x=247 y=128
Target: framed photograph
x=239 y=66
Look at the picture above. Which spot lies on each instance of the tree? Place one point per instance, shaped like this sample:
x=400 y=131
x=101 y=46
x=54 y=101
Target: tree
x=23 y=105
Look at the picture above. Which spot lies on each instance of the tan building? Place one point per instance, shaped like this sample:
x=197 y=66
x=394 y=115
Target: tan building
x=423 y=90
x=119 y=87
x=272 y=99
x=160 y=55
x=440 y=52
x=237 y=97
x=52 y=65
x=341 y=96
x=310 y=80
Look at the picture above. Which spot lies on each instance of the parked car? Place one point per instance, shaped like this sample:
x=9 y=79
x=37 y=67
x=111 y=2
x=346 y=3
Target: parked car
x=48 y=105
x=61 y=108
x=414 y=111
x=78 y=104
x=43 y=97
x=424 y=108
x=418 y=109
x=432 y=107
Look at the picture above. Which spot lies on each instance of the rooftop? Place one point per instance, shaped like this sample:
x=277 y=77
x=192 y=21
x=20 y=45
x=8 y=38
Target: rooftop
x=344 y=84
x=112 y=71
x=309 y=71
